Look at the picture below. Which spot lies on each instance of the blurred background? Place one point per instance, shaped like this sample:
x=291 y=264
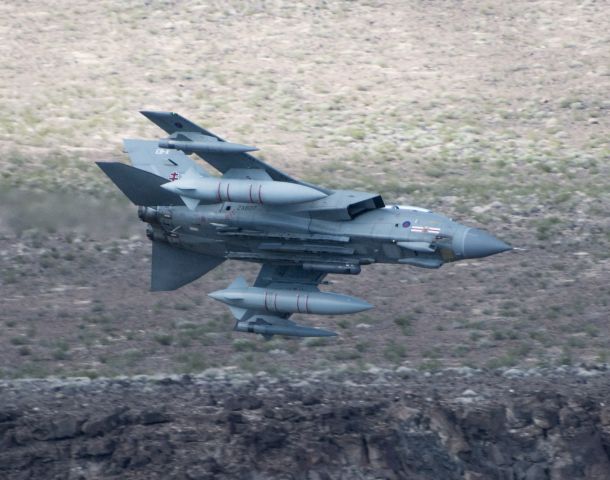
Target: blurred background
x=493 y=113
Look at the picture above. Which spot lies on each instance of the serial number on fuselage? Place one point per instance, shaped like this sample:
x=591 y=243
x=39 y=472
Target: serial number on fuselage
x=246 y=207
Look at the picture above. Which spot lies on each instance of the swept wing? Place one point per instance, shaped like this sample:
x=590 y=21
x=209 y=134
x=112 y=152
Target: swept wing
x=220 y=154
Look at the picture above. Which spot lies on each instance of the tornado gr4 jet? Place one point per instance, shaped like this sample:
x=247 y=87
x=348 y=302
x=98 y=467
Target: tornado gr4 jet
x=299 y=232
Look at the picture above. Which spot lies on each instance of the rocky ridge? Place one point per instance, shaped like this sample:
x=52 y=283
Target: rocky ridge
x=225 y=424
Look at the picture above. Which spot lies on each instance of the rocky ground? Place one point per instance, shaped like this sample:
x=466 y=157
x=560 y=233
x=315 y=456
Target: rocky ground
x=379 y=424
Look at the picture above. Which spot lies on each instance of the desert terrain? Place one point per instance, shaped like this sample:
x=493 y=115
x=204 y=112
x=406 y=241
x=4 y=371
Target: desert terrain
x=493 y=114
x=496 y=114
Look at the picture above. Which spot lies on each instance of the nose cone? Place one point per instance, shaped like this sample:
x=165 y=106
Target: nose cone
x=217 y=295
x=343 y=304
x=170 y=187
x=228 y=296
x=478 y=244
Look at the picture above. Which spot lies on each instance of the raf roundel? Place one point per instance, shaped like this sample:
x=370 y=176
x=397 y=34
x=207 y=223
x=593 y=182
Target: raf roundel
x=406 y=224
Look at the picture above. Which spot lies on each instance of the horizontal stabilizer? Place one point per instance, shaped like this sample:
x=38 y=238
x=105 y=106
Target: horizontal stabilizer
x=142 y=188
x=173 y=267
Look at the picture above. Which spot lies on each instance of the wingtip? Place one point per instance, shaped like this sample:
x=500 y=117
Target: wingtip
x=152 y=113
x=105 y=165
x=109 y=164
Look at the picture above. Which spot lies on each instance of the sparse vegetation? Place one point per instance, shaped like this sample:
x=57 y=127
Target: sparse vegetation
x=481 y=146
x=164 y=339
x=192 y=362
x=343 y=323
x=61 y=350
x=343 y=355
x=405 y=323
x=507 y=360
x=395 y=352
x=316 y=342
x=244 y=345
x=431 y=365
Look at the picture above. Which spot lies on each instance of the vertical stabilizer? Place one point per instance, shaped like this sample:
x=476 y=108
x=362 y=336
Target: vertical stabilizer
x=164 y=162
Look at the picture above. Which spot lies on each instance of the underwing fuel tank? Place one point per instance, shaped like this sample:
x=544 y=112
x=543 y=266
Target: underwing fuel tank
x=194 y=188
x=290 y=301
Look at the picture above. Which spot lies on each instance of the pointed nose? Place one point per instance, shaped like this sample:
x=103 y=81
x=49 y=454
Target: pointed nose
x=169 y=186
x=478 y=244
x=227 y=296
x=217 y=295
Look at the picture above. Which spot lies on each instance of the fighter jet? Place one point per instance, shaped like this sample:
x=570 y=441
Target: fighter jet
x=299 y=232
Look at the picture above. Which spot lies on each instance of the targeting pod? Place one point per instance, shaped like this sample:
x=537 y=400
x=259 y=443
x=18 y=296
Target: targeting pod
x=289 y=329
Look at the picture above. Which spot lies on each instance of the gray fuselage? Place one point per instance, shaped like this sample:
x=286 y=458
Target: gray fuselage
x=289 y=235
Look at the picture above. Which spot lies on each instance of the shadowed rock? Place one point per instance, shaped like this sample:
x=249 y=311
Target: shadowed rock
x=551 y=424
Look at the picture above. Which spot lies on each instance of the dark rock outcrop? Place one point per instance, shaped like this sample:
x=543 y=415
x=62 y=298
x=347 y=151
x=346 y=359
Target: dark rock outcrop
x=552 y=424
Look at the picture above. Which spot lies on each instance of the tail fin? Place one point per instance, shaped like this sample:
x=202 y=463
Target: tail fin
x=169 y=164
x=142 y=188
x=173 y=267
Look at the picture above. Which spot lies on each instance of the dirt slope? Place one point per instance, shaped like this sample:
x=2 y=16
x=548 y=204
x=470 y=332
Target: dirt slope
x=494 y=113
